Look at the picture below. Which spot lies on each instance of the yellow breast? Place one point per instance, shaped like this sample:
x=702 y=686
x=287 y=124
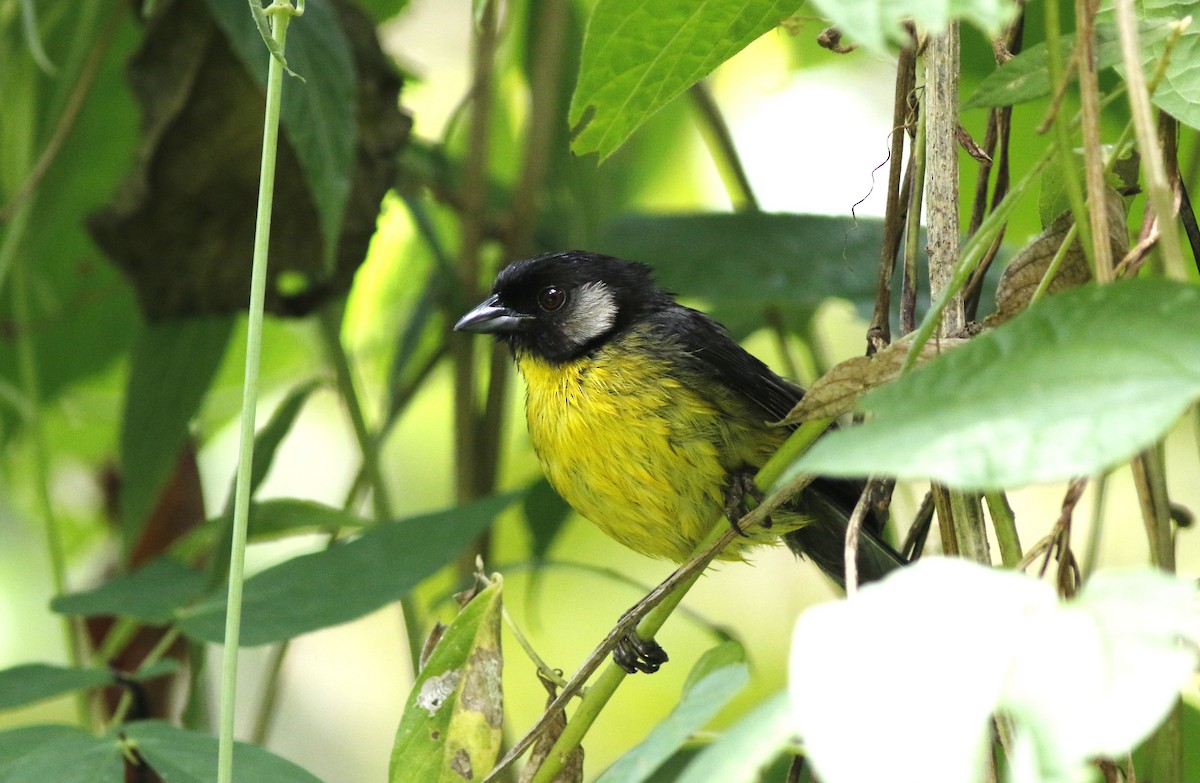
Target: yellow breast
x=632 y=448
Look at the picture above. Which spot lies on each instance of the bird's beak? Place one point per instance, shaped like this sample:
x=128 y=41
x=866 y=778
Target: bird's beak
x=490 y=317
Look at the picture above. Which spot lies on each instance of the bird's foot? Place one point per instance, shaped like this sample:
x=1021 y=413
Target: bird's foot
x=635 y=654
x=738 y=487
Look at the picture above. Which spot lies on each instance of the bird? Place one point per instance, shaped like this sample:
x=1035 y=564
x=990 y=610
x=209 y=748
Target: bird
x=649 y=419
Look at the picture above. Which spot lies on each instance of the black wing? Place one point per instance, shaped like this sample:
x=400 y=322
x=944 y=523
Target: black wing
x=716 y=354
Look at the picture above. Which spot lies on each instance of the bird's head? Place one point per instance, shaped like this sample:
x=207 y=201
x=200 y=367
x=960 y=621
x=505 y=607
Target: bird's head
x=561 y=306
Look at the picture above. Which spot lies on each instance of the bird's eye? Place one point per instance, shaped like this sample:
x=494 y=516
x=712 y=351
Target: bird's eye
x=551 y=298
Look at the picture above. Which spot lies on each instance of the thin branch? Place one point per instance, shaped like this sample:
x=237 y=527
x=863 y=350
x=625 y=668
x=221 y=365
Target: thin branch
x=1093 y=154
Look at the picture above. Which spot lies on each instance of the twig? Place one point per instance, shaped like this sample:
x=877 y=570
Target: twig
x=719 y=140
x=1093 y=154
x=1157 y=185
x=879 y=332
x=853 y=528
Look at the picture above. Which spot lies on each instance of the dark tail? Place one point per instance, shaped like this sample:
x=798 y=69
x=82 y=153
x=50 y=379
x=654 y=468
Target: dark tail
x=830 y=502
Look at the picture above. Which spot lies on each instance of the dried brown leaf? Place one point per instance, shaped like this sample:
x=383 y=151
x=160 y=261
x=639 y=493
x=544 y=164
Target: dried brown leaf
x=838 y=391
x=1028 y=267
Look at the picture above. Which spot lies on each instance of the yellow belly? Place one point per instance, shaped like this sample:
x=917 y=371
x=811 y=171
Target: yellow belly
x=637 y=452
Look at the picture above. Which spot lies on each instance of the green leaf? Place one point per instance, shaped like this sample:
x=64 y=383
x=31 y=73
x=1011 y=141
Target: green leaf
x=151 y=594
x=638 y=56
x=545 y=513
x=1026 y=77
x=878 y=25
x=347 y=580
x=318 y=115
x=172 y=366
x=33 y=682
x=744 y=264
x=450 y=730
x=1074 y=385
x=181 y=756
x=63 y=754
x=1143 y=757
x=715 y=679
x=1178 y=93
x=745 y=748
x=286 y=516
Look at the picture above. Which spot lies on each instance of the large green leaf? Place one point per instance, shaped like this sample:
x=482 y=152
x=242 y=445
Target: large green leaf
x=716 y=678
x=181 y=756
x=879 y=24
x=172 y=366
x=318 y=113
x=450 y=730
x=1178 y=93
x=151 y=594
x=347 y=580
x=1076 y=384
x=638 y=56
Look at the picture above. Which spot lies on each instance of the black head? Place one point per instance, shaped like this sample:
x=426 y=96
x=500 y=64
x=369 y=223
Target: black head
x=561 y=306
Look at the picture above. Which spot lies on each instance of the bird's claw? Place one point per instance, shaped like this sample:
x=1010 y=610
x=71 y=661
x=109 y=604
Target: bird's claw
x=738 y=486
x=635 y=654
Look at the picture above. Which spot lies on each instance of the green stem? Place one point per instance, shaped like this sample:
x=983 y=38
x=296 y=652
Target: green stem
x=31 y=389
x=154 y=656
x=715 y=132
x=1062 y=135
x=280 y=13
x=1005 y=526
x=1091 y=556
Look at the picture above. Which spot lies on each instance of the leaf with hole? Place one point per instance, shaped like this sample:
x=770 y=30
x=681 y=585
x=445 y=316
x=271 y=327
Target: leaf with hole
x=450 y=729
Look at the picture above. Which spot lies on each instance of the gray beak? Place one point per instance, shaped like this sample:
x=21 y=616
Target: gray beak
x=490 y=317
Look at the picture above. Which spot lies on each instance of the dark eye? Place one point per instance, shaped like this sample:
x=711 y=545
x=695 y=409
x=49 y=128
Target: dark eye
x=551 y=298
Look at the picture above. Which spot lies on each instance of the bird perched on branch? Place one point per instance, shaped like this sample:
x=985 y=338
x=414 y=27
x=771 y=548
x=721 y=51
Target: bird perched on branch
x=646 y=416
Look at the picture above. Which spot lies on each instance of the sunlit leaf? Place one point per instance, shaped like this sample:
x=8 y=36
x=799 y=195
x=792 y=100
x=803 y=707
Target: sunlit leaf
x=638 y=56
x=347 y=580
x=715 y=679
x=450 y=730
x=879 y=24
x=1074 y=385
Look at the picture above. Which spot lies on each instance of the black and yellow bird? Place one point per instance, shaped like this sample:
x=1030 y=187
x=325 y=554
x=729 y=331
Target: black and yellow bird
x=644 y=412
